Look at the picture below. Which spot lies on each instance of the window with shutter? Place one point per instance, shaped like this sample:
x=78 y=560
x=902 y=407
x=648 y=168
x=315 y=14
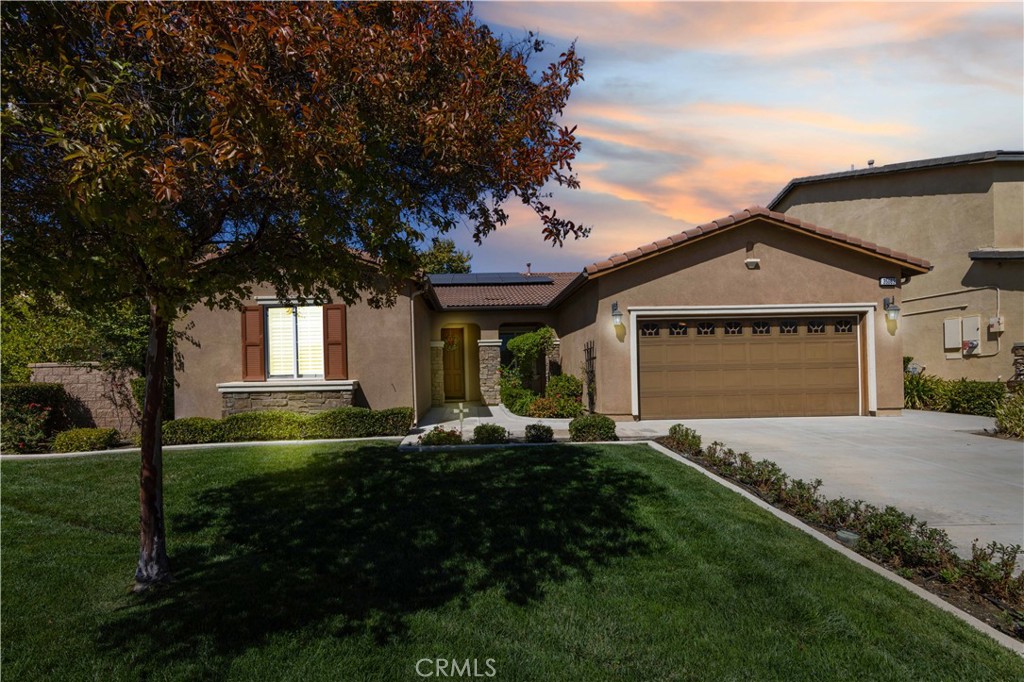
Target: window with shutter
x=295 y=342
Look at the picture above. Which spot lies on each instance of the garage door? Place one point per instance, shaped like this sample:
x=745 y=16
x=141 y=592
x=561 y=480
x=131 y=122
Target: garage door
x=789 y=367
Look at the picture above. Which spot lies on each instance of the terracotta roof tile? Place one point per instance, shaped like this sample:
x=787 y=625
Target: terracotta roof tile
x=536 y=295
x=746 y=214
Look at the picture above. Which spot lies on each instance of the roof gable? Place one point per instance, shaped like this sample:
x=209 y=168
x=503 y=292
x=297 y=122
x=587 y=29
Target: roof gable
x=908 y=264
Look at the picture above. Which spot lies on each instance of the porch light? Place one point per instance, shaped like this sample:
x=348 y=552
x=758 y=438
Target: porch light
x=616 y=315
x=892 y=311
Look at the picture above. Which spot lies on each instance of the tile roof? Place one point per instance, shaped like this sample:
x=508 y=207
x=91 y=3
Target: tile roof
x=909 y=263
x=959 y=160
x=540 y=294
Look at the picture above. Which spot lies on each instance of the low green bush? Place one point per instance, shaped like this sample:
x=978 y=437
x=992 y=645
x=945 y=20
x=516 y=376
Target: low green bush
x=592 y=427
x=1010 y=415
x=962 y=396
x=82 y=440
x=543 y=408
x=888 y=535
x=392 y=421
x=920 y=391
x=441 y=436
x=191 y=430
x=539 y=433
x=684 y=439
x=268 y=425
x=21 y=403
x=490 y=434
x=973 y=397
x=513 y=395
x=343 y=422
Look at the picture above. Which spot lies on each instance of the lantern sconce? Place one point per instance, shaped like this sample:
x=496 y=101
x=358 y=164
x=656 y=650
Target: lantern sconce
x=616 y=315
x=892 y=311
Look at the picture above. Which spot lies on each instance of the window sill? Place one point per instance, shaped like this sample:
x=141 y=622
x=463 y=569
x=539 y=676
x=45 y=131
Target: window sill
x=288 y=385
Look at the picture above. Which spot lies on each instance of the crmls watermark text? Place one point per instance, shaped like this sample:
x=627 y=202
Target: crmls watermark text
x=444 y=667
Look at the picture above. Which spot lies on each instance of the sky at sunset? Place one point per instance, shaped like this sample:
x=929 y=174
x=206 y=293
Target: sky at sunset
x=691 y=111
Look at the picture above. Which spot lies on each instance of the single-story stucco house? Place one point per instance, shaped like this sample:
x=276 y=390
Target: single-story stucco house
x=755 y=314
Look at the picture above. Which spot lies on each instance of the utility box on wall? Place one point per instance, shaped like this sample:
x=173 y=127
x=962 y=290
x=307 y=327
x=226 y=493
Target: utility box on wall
x=952 y=338
x=971 y=335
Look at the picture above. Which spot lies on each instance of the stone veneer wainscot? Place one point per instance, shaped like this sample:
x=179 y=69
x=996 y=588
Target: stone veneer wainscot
x=302 y=397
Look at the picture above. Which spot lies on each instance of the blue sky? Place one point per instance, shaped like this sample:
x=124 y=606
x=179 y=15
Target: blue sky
x=691 y=111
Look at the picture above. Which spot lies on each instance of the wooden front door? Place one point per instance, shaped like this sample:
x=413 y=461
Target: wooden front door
x=454 y=364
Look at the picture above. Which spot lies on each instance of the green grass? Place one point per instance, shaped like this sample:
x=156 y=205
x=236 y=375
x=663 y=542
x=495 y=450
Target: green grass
x=352 y=562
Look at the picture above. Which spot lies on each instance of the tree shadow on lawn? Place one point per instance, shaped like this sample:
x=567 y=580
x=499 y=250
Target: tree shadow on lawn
x=350 y=545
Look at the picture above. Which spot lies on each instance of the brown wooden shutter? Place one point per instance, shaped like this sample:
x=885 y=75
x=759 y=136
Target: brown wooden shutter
x=253 y=355
x=335 y=342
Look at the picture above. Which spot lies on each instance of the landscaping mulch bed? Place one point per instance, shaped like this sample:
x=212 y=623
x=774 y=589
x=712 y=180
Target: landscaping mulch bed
x=997 y=614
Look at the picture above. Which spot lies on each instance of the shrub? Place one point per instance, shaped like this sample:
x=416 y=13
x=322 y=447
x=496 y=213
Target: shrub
x=441 y=436
x=684 y=439
x=543 y=408
x=191 y=430
x=921 y=391
x=527 y=348
x=138 y=388
x=991 y=569
x=973 y=397
x=343 y=422
x=25 y=429
x=269 y=425
x=490 y=434
x=567 y=392
x=392 y=421
x=592 y=427
x=81 y=440
x=514 y=397
x=1010 y=415
x=539 y=433
x=17 y=397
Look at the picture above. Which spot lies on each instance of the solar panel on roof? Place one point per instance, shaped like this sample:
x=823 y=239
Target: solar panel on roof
x=486 y=279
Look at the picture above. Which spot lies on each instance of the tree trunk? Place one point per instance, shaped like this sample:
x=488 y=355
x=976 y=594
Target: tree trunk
x=154 y=566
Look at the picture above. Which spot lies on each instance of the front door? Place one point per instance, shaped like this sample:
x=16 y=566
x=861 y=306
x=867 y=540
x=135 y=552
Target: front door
x=454 y=364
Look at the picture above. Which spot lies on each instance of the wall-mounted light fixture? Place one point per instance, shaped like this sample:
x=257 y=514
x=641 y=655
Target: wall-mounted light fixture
x=616 y=315
x=892 y=311
x=753 y=263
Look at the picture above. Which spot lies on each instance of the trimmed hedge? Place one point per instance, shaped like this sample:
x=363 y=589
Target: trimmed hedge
x=592 y=427
x=268 y=425
x=191 y=430
x=343 y=422
x=82 y=440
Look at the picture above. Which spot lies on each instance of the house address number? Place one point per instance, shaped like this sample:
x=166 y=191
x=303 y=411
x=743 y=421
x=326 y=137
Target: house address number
x=887 y=281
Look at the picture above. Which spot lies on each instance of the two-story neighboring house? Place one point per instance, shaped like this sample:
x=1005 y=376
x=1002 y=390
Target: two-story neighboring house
x=965 y=214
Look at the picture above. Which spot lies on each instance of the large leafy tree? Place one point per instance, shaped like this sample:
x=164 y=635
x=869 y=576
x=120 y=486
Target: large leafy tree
x=179 y=153
x=444 y=257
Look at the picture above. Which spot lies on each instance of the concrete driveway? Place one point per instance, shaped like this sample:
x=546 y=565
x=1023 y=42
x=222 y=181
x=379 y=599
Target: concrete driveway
x=932 y=465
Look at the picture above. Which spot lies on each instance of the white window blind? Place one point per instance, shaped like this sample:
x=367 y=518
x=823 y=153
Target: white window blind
x=309 y=325
x=295 y=341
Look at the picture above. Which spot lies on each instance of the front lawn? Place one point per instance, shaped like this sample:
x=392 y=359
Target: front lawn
x=356 y=561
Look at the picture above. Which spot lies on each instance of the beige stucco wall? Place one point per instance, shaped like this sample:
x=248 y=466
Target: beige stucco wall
x=379 y=357
x=940 y=214
x=795 y=269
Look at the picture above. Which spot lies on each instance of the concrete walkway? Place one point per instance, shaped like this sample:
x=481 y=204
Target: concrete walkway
x=937 y=466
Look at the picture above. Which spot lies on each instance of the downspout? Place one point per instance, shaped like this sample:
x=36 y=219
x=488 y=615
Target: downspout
x=961 y=307
x=412 y=353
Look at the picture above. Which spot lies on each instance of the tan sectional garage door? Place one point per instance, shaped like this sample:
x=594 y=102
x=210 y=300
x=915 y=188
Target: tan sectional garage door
x=692 y=368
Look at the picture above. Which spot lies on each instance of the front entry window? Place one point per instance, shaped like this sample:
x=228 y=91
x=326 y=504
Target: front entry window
x=295 y=342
